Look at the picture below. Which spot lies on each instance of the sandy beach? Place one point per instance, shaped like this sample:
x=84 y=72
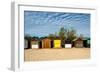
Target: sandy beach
x=56 y=54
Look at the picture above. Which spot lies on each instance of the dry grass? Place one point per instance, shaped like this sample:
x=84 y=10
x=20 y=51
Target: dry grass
x=56 y=54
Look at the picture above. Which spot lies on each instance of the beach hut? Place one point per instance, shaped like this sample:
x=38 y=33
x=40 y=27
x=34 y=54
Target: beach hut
x=78 y=42
x=57 y=43
x=25 y=43
x=87 y=42
x=34 y=43
x=40 y=44
x=46 y=43
x=68 y=43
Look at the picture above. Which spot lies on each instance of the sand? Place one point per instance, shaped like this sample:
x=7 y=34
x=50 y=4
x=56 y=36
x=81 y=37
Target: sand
x=56 y=54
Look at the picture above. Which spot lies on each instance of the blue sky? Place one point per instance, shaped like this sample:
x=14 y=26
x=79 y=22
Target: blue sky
x=39 y=23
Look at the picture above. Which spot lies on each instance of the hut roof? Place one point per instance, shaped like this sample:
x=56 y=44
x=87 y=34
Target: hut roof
x=68 y=41
x=78 y=39
x=45 y=38
x=86 y=38
x=34 y=39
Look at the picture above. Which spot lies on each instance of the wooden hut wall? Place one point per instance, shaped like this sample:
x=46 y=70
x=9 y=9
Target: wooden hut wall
x=40 y=44
x=78 y=43
x=29 y=44
x=46 y=43
x=85 y=44
x=52 y=44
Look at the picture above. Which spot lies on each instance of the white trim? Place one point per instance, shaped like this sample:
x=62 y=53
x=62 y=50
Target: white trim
x=34 y=46
x=68 y=45
x=14 y=34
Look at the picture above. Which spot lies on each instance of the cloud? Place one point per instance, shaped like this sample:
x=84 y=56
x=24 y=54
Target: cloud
x=42 y=23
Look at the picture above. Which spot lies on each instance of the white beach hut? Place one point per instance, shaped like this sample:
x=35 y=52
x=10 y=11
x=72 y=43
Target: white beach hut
x=68 y=44
x=34 y=44
x=25 y=43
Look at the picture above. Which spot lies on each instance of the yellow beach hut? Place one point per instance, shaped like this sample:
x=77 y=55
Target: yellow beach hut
x=57 y=43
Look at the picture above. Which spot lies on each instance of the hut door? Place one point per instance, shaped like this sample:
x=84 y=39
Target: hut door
x=46 y=44
x=79 y=44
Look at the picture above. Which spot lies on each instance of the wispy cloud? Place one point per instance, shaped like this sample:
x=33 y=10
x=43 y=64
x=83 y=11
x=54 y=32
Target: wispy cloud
x=39 y=23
